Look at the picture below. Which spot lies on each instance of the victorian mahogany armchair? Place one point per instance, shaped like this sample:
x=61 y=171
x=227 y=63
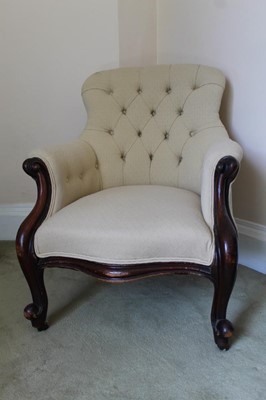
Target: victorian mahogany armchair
x=145 y=189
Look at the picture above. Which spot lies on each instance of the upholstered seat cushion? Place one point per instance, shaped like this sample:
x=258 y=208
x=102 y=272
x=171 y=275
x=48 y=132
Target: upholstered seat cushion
x=129 y=225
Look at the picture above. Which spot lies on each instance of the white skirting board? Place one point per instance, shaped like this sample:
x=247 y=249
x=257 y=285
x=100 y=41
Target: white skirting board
x=252 y=237
x=11 y=216
x=252 y=245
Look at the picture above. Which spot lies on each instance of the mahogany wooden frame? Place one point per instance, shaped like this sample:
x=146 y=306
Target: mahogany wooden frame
x=222 y=271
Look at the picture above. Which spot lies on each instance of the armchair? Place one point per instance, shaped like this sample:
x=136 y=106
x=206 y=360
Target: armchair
x=145 y=189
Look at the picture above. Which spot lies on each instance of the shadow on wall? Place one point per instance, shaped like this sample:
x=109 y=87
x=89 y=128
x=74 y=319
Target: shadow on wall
x=226 y=110
x=247 y=189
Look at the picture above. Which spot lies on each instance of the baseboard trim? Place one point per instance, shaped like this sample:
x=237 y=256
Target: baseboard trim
x=251 y=229
x=252 y=245
x=11 y=216
x=252 y=236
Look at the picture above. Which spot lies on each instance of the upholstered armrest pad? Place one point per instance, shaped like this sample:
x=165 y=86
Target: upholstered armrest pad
x=222 y=148
x=73 y=172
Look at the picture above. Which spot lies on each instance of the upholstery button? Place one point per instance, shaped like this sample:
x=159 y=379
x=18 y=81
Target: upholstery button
x=110 y=131
x=180 y=111
x=110 y=92
x=151 y=156
x=153 y=112
x=81 y=175
x=191 y=133
x=124 y=111
x=168 y=90
x=139 y=133
x=123 y=156
x=166 y=135
x=139 y=90
x=67 y=179
x=180 y=158
x=97 y=166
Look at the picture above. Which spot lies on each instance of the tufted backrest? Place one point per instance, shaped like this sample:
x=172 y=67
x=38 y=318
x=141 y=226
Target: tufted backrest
x=152 y=125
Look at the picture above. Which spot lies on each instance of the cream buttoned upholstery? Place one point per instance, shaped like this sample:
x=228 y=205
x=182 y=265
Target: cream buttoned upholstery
x=156 y=126
x=144 y=123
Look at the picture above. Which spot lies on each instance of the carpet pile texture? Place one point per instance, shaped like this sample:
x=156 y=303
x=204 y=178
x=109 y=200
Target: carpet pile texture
x=146 y=340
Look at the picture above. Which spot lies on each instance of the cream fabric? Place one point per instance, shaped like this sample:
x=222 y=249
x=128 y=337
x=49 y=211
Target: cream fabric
x=73 y=171
x=143 y=123
x=157 y=127
x=129 y=225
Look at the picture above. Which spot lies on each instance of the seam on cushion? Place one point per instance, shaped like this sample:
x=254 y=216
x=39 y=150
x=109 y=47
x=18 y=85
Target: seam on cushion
x=118 y=119
x=196 y=76
x=96 y=158
x=139 y=77
x=192 y=91
x=129 y=262
x=170 y=148
x=198 y=131
x=150 y=171
x=110 y=80
x=212 y=199
x=131 y=146
x=93 y=129
x=173 y=120
x=187 y=98
x=169 y=74
x=210 y=127
x=144 y=126
x=123 y=173
x=170 y=98
x=36 y=245
x=160 y=102
x=158 y=146
x=92 y=88
x=130 y=122
x=53 y=183
x=211 y=83
x=127 y=105
x=143 y=143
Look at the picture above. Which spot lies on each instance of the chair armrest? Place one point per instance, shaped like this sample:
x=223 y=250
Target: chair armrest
x=73 y=172
x=216 y=152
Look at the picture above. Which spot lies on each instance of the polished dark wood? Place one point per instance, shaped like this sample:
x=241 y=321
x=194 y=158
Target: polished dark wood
x=221 y=272
x=36 y=312
x=226 y=251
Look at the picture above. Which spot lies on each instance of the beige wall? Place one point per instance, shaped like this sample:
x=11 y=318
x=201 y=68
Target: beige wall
x=229 y=34
x=137 y=32
x=47 y=49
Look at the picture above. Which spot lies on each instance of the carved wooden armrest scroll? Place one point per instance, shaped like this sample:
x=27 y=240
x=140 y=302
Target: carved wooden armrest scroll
x=36 y=168
x=224 y=226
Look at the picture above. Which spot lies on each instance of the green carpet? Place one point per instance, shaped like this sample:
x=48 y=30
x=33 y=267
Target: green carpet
x=145 y=340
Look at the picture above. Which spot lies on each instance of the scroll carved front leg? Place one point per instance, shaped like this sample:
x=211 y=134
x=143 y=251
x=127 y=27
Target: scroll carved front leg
x=225 y=265
x=36 y=312
x=222 y=327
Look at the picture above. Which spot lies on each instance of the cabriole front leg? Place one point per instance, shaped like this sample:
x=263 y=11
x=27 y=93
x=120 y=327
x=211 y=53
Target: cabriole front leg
x=226 y=253
x=223 y=286
x=36 y=311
